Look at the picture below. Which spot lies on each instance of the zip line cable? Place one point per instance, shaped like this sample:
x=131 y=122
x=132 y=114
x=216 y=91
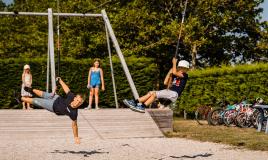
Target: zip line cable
x=182 y=21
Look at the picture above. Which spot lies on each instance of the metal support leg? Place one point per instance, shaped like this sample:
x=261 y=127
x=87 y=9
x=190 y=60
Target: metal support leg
x=48 y=62
x=261 y=120
x=120 y=55
x=51 y=48
x=265 y=117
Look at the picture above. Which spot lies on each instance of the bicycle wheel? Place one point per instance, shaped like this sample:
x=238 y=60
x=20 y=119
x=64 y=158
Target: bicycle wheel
x=229 y=117
x=243 y=120
x=215 y=116
x=255 y=118
x=201 y=115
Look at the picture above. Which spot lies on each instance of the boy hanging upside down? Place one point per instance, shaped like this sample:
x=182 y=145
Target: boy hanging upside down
x=57 y=104
x=175 y=80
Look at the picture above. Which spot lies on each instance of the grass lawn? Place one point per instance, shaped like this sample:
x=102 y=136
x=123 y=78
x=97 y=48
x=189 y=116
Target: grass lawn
x=241 y=137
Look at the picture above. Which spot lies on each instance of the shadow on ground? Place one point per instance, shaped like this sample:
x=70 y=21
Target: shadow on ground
x=194 y=156
x=85 y=153
x=186 y=156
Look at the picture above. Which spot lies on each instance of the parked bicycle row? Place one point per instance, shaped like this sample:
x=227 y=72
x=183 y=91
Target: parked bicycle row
x=241 y=114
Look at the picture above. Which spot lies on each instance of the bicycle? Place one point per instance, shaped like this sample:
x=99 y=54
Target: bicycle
x=201 y=114
x=229 y=116
x=247 y=117
x=216 y=115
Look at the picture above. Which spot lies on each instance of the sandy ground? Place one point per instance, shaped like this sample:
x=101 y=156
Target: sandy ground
x=63 y=148
x=106 y=135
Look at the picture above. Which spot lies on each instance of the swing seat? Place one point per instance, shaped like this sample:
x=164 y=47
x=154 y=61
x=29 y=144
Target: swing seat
x=164 y=101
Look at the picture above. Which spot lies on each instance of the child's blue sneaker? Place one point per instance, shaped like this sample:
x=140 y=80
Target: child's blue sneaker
x=130 y=103
x=138 y=108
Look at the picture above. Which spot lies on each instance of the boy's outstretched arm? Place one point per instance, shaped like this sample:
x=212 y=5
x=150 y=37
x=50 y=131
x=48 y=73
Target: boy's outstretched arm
x=63 y=85
x=75 y=132
x=174 y=68
x=168 y=76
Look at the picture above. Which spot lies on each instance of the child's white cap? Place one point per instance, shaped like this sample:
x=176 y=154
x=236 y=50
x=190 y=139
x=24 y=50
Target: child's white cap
x=26 y=66
x=184 y=64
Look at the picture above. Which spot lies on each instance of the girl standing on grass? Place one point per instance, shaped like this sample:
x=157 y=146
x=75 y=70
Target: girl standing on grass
x=95 y=79
x=26 y=82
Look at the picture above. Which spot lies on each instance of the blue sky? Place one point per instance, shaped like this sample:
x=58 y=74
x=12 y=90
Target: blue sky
x=264 y=6
x=7 y=1
x=265 y=10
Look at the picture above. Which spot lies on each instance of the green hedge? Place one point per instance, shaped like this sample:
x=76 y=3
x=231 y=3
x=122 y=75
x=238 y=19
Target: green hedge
x=204 y=87
x=75 y=73
x=208 y=86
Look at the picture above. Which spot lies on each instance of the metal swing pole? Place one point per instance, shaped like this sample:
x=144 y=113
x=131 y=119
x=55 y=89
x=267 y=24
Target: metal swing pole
x=111 y=66
x=182 y=21
x=58 y=33
x=54 y=14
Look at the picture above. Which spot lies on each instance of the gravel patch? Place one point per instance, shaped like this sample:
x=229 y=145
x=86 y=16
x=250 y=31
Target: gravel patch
x=62 y=148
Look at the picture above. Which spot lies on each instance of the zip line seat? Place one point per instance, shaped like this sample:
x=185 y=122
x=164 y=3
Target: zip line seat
x=166 y=102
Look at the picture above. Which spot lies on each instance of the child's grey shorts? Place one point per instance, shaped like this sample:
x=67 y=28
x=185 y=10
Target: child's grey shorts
x=46 y=101
x=167 y=93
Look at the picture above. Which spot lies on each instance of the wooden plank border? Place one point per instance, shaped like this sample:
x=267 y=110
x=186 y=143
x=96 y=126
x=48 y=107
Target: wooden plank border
x=163 y=118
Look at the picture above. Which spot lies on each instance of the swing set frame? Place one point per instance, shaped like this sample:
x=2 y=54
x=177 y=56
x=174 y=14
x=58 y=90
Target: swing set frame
x=51 y=57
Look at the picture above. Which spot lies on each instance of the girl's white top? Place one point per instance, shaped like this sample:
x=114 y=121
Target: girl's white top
x=27 y=79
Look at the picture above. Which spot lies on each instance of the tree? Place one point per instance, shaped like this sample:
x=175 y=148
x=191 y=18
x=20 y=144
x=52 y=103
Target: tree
x=215 y=32
x=262 y=44
x=2 y=5
x=222 y=30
